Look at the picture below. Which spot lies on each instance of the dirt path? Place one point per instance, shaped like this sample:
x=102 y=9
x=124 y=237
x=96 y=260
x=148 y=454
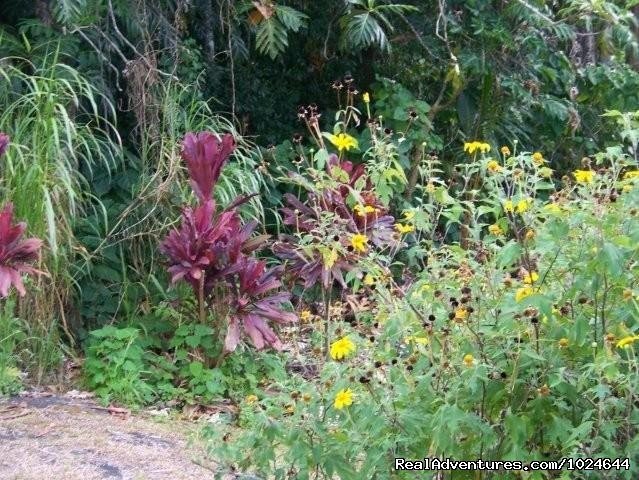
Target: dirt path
x=63 y=437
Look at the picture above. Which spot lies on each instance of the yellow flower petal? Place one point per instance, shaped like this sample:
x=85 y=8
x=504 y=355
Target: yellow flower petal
x=342 y=348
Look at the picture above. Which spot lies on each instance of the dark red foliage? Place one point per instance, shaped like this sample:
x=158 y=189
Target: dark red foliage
x=205 y=154
x=308 y=264
x=197 y=248
x=213 y=248
x=16 y=254
x=254 y=307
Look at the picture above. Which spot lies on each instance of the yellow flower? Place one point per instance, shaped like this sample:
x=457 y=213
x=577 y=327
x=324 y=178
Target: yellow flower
x=343 y=141
x=495 y=229
x=363 y=210
x=251 y=399
x=552 y=208
x=329 y=256
x=523 y=292
x=631 y=174
x=401 y=228
x=368 y=280
x=626 y=188
x=545 y=172
x=508 y=206
x=563 y=342
x=584 y=176
x=417 y=340
x=530 y=278
x=472 y=147
x=461 y=314
x=359 y=242
x=505 y=151
x=409 y=215
x=493 y=166
x=430 y=187
x=538 y=158
x=305 y=315
x=342 y=348
x=627 y=341
x=523 y=205
x=469 y=360
x=344 y=398
x=366 y=97
x=530 y=234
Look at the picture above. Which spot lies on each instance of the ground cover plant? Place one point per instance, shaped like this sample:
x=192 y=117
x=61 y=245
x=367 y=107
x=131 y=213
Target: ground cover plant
x=341 y=232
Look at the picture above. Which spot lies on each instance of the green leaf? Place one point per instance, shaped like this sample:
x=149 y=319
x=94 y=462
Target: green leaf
x=292 y=19
x=509 y=254
x=271 y=37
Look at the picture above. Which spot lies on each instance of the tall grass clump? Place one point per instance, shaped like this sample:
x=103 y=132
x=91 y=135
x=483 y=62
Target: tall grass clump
x=61 y=127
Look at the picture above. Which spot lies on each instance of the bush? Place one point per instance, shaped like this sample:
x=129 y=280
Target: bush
x=515 y=340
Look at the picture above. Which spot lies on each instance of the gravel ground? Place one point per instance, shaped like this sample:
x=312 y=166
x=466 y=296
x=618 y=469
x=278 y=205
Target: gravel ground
x=68 y=437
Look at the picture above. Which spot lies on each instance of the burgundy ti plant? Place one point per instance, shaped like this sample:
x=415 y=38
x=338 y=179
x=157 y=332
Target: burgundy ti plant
x=16 y=253
x=330 y=221
x=212 y=250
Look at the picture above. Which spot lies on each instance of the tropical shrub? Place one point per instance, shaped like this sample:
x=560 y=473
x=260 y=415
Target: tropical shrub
x=212 y=252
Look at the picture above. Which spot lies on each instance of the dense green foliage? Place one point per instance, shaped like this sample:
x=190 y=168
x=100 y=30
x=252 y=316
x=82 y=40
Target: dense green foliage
x=443 y=192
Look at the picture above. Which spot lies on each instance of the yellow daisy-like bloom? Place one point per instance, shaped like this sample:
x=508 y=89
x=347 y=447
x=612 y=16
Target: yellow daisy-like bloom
x=359 y=242
x=493 y=166
x=416 y=340
x=538 y=158
x=545 y=172
x=495 y=229
x=552 y=208
x=631 y=174
x=251 y=399
x=305 y=315
x=368 y=280
x=469 y=360
x=523 y=205
x=330 y=257
x=408 y=215
x=627 y=341
x=505 y=151
x=584 y=176
x=530 y=278
x=508 y=206
x=461 y=314
x=342 y=348
x=523 y=292
x=362 y=210
x=401 y=228
x=343 y=141
x=563 y=342
x=344 y=398
x=472 y=147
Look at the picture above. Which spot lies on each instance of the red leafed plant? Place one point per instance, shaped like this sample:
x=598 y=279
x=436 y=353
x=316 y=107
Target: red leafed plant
x=213 y=251
x=16 y=253
x=328 y=253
